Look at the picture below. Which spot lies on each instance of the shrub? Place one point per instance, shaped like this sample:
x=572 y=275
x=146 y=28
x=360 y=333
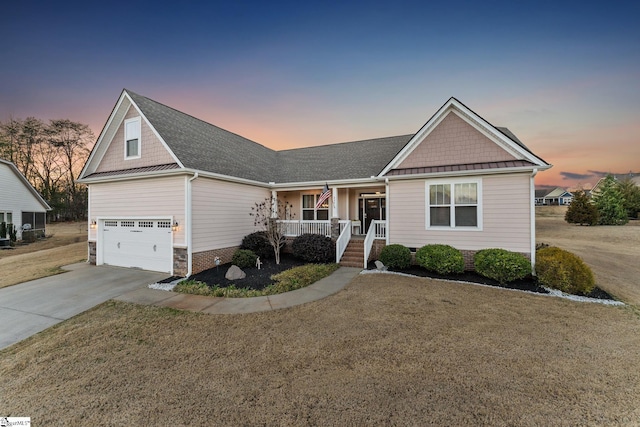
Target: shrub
x=396 y=256
x=560 y=269
x=581 y=211
x=299 y=277
x=442 y=259
x=314 y=248
x=610 y=203
x=3 y=230
x=244 y=258
x=501 y=265
x=193 y=287
x=259 y=244
x=13 y=233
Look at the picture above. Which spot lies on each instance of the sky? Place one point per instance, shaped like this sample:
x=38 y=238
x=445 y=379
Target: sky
x=563 y=76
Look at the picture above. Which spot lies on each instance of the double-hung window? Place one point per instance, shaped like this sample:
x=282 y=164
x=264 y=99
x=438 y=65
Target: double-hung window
x=454 y=204
x=132 y=138
x=309 y=212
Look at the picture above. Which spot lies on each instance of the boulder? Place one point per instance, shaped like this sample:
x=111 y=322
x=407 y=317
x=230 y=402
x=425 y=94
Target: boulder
x=235 y=273
x=380 y=266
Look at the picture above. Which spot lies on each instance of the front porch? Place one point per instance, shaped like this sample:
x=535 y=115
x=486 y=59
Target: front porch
x=352 y=248
x=352 y=215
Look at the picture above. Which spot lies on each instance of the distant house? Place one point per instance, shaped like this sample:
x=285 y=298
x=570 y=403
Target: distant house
x=169 y=192
x=618 y=177
x=556 y=196
x=20 y=203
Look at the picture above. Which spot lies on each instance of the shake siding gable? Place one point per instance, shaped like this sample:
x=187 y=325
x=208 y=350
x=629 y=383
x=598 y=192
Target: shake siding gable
x=220 y=213
x=506 y=216
x=453 y=142
x=153 y=152
x=151 y=198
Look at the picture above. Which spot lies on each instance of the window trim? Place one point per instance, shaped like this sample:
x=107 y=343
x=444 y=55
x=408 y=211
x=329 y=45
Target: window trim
x=452 y=213
x=315 y=211
x=139 y=127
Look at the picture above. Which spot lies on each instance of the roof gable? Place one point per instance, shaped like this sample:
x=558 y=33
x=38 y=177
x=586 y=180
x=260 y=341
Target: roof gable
x=25 y=183
x=441 y=134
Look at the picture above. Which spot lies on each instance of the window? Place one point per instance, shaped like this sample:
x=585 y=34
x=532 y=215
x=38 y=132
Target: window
x=309 y=212
x=132 y=138
x=454 y=205
x=6 y=217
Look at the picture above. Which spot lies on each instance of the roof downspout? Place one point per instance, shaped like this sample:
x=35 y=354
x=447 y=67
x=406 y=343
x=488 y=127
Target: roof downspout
x=532 y=208
x=386 y=210
x=188 y=230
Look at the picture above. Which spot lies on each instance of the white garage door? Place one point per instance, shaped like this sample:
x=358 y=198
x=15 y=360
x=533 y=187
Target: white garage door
x=144 y=243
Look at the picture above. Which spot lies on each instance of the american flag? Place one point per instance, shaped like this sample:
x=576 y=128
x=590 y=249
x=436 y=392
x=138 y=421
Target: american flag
x=326 y=193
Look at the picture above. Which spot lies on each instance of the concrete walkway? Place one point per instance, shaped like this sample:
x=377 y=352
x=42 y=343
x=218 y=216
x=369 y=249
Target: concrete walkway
x=213 y=305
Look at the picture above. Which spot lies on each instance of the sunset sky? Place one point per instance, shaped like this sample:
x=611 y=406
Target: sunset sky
x=563 y=76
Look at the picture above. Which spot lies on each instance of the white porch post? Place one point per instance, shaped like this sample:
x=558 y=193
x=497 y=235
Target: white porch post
x=334 y=203
x=274 y=204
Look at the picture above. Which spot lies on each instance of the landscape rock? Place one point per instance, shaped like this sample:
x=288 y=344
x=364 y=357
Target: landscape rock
x=380 y=266
x=235 y=273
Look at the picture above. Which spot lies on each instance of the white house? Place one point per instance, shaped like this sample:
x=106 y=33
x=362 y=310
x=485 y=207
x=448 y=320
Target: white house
x=20 y=203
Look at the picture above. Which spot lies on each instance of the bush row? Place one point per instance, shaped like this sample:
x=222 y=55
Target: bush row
x=313 y=248
x=555 y=267
x=498 y=264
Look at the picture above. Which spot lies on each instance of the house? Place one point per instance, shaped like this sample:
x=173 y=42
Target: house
x=553 y=196
x=618 y=177
x=20 y=203
x=170 y=192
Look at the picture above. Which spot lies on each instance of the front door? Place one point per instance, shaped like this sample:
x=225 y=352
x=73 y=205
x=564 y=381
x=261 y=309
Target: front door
x=371 y=208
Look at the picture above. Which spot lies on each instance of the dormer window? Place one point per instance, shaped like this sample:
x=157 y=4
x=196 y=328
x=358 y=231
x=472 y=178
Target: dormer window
x=132 y=138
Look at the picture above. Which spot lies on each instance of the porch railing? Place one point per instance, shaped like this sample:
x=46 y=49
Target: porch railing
x=343 y=239
x=377 y=230
x=293 y=228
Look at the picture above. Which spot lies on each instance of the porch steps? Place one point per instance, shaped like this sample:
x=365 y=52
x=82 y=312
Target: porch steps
x=354 y=254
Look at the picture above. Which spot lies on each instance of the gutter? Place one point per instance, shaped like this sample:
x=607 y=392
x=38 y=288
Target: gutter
x=188 y=230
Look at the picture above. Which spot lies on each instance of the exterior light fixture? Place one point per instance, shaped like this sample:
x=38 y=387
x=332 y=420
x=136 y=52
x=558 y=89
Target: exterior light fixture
x=93 y=224
x=175 y=225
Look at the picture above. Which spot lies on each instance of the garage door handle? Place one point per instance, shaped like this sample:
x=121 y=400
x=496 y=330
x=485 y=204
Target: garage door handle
x=154 y=248
x=118 y=245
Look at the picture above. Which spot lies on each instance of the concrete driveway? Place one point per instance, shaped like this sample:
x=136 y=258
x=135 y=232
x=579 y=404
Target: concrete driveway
x=31 y=307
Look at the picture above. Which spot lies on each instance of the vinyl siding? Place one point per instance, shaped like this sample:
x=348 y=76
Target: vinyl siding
x=506 y=216
x=152 y=152
x=15 y=197
x=220 y=214
x=158 y=197
x=454 y=142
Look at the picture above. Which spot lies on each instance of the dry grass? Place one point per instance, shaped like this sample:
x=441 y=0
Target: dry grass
x=66 y=243
x=612 y=252
x=388 y=350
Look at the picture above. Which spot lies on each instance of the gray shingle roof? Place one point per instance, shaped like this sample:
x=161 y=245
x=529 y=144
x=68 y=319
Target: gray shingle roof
x=202 y=146
x=347 y=160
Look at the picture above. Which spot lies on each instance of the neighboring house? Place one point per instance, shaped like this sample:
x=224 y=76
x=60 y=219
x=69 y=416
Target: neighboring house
x=169 y=192
x=555 y=196
x=618 y=177
x=20 y=203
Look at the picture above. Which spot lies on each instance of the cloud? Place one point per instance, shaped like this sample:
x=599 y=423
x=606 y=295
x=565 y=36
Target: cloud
x=578 y=176
x=600 y=173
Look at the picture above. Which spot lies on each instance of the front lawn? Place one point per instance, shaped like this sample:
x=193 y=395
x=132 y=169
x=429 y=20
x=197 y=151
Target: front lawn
x=387 y=350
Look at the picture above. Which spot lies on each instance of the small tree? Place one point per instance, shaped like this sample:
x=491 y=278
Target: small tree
x=631 y=197
x=266 y=215
x=581 y=211
x=610 y=203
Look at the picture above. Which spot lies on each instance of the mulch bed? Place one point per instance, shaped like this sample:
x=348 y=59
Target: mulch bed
x=527 y=284
x=256 y=279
